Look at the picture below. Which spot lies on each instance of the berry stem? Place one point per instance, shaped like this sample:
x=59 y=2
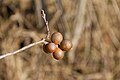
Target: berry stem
x=33 y=44
x=46 y=23
x=22 y=49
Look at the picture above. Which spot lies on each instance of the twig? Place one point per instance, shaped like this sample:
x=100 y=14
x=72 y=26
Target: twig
x=33 y=44
x=22 y=49
x=46 y=22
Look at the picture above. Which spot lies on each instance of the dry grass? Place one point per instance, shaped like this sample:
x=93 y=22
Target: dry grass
x=92 y=25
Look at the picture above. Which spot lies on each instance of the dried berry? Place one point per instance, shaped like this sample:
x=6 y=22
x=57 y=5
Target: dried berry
x=49 y=48
x=56 y=37
x=45 y=48
x=66 y=45
x=58 y=54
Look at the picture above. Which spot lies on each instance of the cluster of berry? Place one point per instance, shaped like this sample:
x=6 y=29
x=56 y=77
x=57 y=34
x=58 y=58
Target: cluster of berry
x=57 y=46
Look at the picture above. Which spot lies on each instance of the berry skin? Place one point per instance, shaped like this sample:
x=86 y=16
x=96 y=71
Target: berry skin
x=45 y=48
x=66 y=45
x=56 y=37
x=49 y=48
x=58 y=54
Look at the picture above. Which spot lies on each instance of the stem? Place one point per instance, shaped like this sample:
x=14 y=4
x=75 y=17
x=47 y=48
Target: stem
x=33 y=44
x=46 y=23
x=22 y=49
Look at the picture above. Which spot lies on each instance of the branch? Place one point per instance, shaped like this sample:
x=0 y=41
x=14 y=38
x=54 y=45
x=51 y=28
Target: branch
x=46 y=23
x=33 y=44
x=22 y=49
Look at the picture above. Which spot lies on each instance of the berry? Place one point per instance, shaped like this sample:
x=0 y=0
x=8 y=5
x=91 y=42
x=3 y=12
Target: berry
x=45 y=48
x=58 y=54
x=66 y=45
x=56 y=37
x=49 y=48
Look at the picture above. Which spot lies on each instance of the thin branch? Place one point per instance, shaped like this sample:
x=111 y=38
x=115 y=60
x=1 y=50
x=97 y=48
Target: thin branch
x=46 y=23
x=33 y=44
x=22 y=49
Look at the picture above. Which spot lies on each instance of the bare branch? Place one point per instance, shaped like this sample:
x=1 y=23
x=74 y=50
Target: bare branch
x=33 y=44
x=46 y=23
x=22 y=49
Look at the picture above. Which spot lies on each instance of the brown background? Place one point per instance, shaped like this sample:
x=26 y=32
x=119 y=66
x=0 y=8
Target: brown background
x=92 y=25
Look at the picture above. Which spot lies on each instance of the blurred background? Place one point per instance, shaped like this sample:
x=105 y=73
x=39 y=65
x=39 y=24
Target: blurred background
x=92 y=25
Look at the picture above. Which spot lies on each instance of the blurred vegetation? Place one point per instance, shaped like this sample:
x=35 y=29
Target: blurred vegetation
x=93 y=26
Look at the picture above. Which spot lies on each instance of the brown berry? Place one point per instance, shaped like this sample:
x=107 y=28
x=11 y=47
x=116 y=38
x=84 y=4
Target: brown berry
x=58 y=54
x=45 y=48
x=56 y=37
x=49 y=48
x=66 y=45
